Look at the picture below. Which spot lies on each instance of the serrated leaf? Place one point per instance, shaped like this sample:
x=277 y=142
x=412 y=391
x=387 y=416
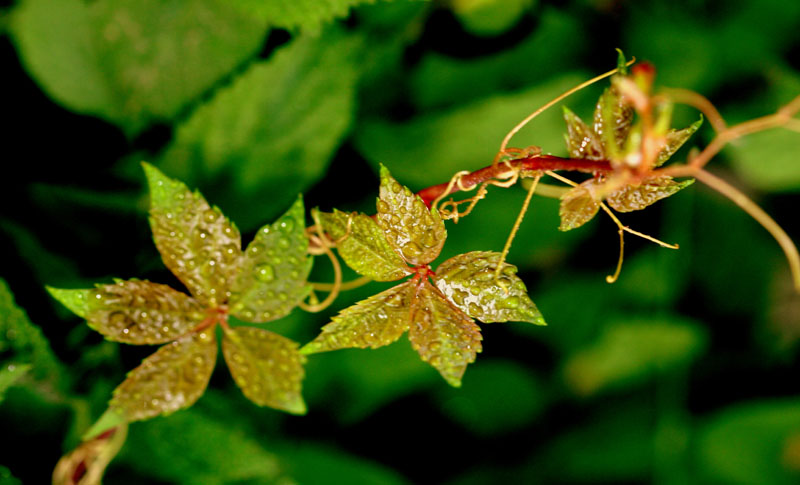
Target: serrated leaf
x=173 y=378
x=197 y=243
x=444 y=336
x=365 y=249
x=578 y=206
x=377 y=321
x=9 y=374
x=274 y=270
x=612 y=121
x=468 y=280
x=131 y=61
x=633 y=198
x=581 y=140
x=266 y=367
x=297 y=14
x=134 y=312
x=675 y=140
x=415 y=231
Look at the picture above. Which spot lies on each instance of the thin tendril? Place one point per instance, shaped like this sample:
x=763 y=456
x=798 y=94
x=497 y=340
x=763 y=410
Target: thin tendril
x=334 y=291
x=514 y=229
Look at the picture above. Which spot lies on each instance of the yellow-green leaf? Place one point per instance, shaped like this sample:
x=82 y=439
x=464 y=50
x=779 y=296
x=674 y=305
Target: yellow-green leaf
x=443 y=335
x=266 y=367
x=410 y=227
x=581 y=140
x=363 y=246
x=612 y=121
x=134 y=312
x=377 y=321
x=173 y=378
x=468 y=280
x=578 y=206
x=197 y=243
x=274 y=270
x=632 y=198
x=675 y=140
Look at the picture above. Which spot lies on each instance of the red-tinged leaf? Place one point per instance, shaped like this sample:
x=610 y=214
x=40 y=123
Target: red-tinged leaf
x=134 y=312
x=363 y=245
x=468 y=280
x=633 y=198
x=86 y=464
x=274 y=270
x=581 y=140
x=197 y=243
x=443 y=335
x=578 y=206
x=415 y=231
x=377 y=321
x=173 y=378
x=612 y=121
x=266 y=367
x=675 y=140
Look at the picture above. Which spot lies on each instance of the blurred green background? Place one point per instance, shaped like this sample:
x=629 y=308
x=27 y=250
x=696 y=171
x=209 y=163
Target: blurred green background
x=684 y=371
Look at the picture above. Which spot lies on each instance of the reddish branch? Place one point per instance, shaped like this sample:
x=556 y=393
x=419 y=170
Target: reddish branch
x=532 y=164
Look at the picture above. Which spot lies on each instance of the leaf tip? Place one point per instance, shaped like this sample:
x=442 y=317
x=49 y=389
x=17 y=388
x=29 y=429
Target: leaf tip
x=77 y=301
x=110 y=419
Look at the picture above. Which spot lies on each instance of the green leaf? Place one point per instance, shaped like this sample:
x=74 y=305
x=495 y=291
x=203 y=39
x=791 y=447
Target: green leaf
x=318 y=465
x=468 y=280
x=415 y=231
x=109 y=419
x=675 y=140
x=274 y=270
x=578 y=206
x=6 y=478
x=197 y=243
x=490 y=17
x=307 y=15
x=581 y=140
x=273 y=130
x=630 y=351
x=131 y=61
x=9 y=374
x=768 y=160
x=133 y=311
x=443 y=335
x=365 y=248
x=634 y=198
x=377 y=321
x=266 y=367
x=173 y=378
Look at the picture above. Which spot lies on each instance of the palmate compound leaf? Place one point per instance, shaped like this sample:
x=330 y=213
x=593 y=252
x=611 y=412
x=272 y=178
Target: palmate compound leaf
x=363 y=246
x=578 y=206
x=197 y=242
x=377 y=321
x=415 y=231
x=266 y=367
x=274 y=270
x=173 y=378
x=582 y=142
x=468 y=280
x=443 y=335
x=133 y=311
x=632 y=198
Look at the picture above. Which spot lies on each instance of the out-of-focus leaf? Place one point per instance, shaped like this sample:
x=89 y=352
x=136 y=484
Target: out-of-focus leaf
x=489 y=17
x=750 y=443
x=198 y=450
x=468 y=280
x=377 y=321
x=6 y=478
x=9 y=374
x=633 y=198
x=365 y=248
x=173 y=378
x=273 y=273
x=675 y=140
x=131 y=61
x=112 y=418
x=86 y=464
x=197 y=242
x=266 y=367
x=768 y=160
x=135 y=312
x=632 y=350
x=272 y=130
x=497 y=397
x=326 y=466
x=443 y=335
x=582 y=142
x=578 y=206
x=307 y=15
x=417 y=232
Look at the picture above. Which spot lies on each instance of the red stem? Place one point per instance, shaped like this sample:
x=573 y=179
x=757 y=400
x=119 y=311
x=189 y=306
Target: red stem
x=538 y=163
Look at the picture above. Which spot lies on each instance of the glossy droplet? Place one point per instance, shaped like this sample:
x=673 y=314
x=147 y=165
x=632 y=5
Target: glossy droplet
x=210 y=216
x=265 y=273
x=255 y=249
x=287 y=225
x=383 y=206
x=411 y=250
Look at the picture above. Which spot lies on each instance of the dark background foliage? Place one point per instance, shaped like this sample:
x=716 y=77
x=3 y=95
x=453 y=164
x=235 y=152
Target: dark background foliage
x=684 y=371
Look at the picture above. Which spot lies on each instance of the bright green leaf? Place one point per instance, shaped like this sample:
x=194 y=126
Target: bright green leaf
x=109 y=419
x=274 y=270
x=768 y=160
x=297 y=14
x=468 y=280
x=578 y=206
x=489 y=17
x=365 y=248
x=266 y=367
x=633 y=198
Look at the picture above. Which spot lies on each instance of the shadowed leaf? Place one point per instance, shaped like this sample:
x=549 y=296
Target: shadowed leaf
x=9 y=374
x=442 y=334
x=675 y=140
x=410 y=227
x=266 y=367
x=173 y=378
x=632 y=198
x=197 y=243
x=365 y=249
x=274 y=270
x=377 y=321
x=577 y=207
x=468 y=280
x=581 y=140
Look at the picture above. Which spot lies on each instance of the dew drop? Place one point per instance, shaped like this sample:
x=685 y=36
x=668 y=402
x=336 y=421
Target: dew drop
x=411 y=250
x=383 y=206
x=287 y=225
x=210 y=216
x=265 y=273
